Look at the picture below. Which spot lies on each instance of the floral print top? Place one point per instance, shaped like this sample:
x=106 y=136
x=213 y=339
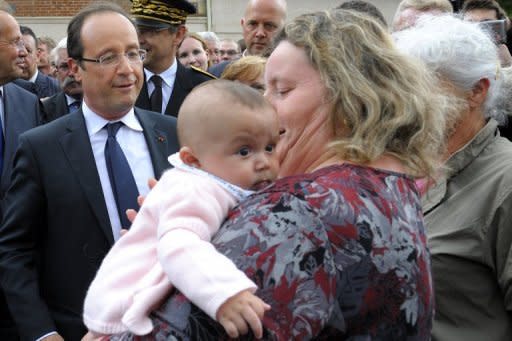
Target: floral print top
x=339 y=254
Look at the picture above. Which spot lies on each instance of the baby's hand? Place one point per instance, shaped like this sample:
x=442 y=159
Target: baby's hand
x=242 y=309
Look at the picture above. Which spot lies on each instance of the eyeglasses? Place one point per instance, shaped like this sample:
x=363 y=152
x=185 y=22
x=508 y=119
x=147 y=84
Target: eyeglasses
x=113 y=59
x=228 y=52
x=62 y=67
x=17 y=43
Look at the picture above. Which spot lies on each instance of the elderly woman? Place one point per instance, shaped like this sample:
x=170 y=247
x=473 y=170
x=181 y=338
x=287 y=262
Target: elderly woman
x=337 y=245
x=468 y=212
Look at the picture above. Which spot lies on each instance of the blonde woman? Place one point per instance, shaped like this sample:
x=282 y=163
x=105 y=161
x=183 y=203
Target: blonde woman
x=337 y=244
x=193 y=51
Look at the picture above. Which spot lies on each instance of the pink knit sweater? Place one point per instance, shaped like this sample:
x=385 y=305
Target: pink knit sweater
x=167 y=243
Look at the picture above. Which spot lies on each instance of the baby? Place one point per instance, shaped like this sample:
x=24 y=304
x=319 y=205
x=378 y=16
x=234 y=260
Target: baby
x=228 y=134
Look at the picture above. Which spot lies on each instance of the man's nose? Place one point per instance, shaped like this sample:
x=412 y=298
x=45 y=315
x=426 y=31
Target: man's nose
x=260 y=31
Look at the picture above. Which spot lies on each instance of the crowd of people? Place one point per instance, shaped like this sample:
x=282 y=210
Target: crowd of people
x=329 y=176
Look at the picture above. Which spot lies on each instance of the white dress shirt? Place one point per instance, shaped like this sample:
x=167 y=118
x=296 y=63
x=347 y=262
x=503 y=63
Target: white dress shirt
x=131 y=139
x=168 y=77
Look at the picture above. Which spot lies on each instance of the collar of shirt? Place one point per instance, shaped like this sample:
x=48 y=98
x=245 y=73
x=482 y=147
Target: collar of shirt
x=463 y=157
x=458 y=162
x=95 y=122
x=34 y=77
x=168 y=75
x=70 y=100
x=238 y=192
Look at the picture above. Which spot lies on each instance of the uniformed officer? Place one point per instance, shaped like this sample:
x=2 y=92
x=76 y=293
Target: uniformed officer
x=161 y=26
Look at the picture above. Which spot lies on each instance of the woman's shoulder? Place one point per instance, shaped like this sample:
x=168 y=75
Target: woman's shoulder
x=344 y=177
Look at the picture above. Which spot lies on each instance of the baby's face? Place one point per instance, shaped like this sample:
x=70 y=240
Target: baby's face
x=242 y=149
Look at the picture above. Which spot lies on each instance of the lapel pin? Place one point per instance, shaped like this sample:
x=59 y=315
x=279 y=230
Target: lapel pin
x=161 y=139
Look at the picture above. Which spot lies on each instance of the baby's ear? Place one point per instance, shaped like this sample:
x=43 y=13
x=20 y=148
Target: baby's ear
x=188 y=157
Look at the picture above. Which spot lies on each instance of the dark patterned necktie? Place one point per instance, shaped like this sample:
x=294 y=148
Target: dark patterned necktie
x=156 y=96
x=74 y=106
x=120 y=175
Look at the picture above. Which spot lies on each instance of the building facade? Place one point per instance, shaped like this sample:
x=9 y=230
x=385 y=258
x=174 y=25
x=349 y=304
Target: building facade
x=50 y=18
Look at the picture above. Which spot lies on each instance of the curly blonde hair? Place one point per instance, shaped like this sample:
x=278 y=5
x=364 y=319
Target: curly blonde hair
x=383 y=102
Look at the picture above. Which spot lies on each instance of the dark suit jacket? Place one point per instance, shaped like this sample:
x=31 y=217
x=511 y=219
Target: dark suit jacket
x=44 y=86
x=219 y=68
x=186 y=80
x=56 y=228
x=55 y=106
x=21 y=113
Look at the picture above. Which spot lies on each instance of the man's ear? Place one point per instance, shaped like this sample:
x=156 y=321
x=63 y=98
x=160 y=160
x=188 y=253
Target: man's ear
x=188 y=157
x=74 y=69
x=478 y=94
x=180 y=34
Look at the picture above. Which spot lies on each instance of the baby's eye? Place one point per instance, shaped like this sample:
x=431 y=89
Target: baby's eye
x=270 y=148
x=244 y=151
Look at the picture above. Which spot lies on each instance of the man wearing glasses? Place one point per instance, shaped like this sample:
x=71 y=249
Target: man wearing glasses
x=74 y=178
x=229 y=50
x=69 y=99
x=19 y=111
x=161 y=27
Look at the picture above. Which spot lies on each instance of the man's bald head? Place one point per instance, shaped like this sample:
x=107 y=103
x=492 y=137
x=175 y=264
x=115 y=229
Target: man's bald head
x=262 y=20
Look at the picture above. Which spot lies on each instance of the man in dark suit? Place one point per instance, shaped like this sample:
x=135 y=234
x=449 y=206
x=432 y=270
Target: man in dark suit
x=64 y=208
x=19 y=112
x=69 y=99
x=160 y=34
x=39 y=83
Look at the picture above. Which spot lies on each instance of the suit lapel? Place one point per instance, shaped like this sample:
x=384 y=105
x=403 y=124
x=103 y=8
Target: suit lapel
x=143 y=99
x=157 y=143
x=181 y=88
x=41 y=85
x=61 y=105
x=77 y=148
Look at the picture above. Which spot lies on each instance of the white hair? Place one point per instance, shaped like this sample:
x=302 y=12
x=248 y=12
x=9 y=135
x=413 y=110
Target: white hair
x=54 y=53
x=456 y=50
x=209 y=36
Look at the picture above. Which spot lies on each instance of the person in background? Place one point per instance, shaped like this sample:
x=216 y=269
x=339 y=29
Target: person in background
x=74 y=178
x=262 y=21
x=487 y=10
x=409 y=11
x=336 y=245
x=229 y=50
x=192 y=51
x=38 y=83
x=69 y=99
x=248 y=70
x=503 y=104
x=212 y=41
x=365 y=7
x=467 y=208
x=44 y=47
x=166 y=81
x=19 y=112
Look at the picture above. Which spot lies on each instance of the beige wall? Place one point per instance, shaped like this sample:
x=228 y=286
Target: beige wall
x=223 y=16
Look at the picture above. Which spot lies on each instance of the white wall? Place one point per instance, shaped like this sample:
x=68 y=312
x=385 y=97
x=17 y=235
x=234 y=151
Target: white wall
x=223 y=17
